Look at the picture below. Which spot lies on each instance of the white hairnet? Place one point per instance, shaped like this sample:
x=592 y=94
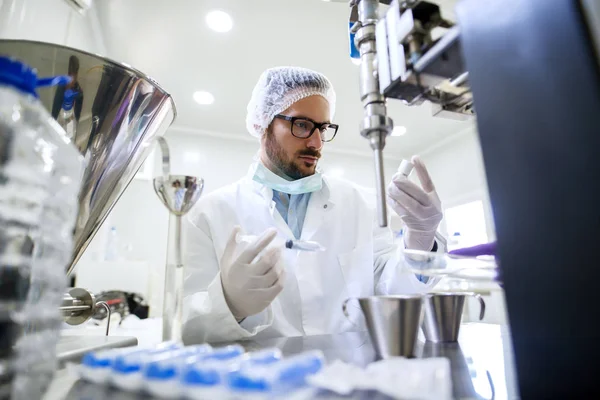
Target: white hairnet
x=278 y=88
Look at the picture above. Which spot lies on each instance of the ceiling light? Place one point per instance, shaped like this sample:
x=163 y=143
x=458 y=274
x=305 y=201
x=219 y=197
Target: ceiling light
x=219 y=21
x=355 y=61
x=204 y=98
x=399 y=131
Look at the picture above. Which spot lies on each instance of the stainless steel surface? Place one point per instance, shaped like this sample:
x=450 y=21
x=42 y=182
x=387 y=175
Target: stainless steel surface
x=178 y=193
x=78 y=306
x=72 y=348
x=393 y=323
x=482 y=349
x=376 y=129
x=119 y=114
x=443 y=315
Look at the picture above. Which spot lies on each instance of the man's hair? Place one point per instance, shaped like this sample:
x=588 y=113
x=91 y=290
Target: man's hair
x=73 y=65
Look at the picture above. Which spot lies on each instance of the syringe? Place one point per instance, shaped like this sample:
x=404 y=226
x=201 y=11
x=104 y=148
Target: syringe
x=293 y=244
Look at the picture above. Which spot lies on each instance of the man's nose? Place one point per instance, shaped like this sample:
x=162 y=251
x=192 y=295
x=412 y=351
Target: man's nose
x=314 y=141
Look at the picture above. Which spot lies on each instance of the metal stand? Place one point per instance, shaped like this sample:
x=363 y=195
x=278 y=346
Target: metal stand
x=178 y=193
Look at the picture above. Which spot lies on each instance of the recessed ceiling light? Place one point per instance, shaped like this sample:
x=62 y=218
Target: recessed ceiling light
x=204 y=98
x=355 y=61
x=399 y=131
x=219 y=21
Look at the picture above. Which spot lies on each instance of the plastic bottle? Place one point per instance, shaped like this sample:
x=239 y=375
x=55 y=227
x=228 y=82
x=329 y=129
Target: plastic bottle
x=112 y=245
x=41 y=171
x=66 y=117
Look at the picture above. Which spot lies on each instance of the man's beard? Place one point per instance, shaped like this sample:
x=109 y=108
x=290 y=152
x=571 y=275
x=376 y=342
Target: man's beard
x=277 y=156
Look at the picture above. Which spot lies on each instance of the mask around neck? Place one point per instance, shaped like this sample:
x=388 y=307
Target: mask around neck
x=265 y=176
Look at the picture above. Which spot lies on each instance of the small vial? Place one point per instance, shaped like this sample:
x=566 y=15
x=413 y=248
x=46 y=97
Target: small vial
x=405 y=168
x=303 y=245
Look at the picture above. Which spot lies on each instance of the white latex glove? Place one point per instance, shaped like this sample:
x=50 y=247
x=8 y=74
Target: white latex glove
x=250 y=283
x=420 y=209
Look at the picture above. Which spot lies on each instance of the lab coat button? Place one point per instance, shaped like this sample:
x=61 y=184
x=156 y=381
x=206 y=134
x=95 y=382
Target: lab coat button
x=325 y=206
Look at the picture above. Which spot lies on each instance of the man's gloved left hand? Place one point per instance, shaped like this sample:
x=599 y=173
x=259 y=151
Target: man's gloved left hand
x=419 y=208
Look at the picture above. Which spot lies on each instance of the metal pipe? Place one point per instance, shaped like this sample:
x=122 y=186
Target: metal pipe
x=380 y=186
x=462 y=78
x=376 y=124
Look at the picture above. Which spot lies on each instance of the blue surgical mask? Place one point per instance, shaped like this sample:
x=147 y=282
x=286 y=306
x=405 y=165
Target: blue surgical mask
x=265 y=176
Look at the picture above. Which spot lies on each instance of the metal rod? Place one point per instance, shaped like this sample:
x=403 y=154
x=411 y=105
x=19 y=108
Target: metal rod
x=74 y=308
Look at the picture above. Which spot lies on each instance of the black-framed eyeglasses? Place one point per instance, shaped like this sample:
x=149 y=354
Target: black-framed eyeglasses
x=303 y=127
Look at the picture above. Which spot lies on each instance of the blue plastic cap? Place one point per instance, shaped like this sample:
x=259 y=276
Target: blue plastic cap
x=197 y=377
x=239 y=382
x=123 y=367
x=93 y=361
x=354 y=53
x=19 y=75
x=156 y=372
x=295 y=375
x=69 y=98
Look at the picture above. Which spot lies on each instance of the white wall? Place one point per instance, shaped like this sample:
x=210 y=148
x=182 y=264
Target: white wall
x=456 y=167
x=52 y=21
x=142 y=221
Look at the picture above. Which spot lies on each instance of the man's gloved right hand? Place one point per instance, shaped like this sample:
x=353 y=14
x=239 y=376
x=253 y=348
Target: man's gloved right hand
x=251 y=284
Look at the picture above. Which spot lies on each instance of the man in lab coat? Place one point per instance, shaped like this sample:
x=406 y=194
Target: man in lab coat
x=234 y=289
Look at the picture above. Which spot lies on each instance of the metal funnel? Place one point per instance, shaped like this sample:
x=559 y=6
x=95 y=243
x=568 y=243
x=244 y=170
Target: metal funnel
x=118 y=112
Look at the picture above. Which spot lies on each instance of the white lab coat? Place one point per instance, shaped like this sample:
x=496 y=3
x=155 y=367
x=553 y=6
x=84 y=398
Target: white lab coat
x=360 y=260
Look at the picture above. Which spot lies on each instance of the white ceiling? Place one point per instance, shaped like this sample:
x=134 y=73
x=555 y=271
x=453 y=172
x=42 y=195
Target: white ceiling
x=170 y=41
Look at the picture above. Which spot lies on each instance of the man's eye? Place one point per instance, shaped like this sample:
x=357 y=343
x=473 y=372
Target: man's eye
x=301 y=124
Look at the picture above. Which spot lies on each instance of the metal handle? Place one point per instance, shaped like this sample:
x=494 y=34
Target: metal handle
x=482 y=305
x=108 y=313
x=166 y=157
x=345 y=310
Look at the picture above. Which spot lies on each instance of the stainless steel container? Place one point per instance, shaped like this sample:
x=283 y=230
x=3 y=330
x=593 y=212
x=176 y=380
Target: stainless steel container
x=119 y=111
x=443 y=315
x=393 y=323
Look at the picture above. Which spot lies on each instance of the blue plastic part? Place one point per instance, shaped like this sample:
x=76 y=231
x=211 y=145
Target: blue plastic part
x=158 y=372
x=122 y=367
x=69 y=97
x=59 y=80
x=354 y=53
x=199 y=377
x=94 y=361
x=295 y=375
x=24 y=78
x=239 y=382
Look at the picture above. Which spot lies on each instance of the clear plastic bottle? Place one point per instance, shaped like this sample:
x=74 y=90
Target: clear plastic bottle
x=40 y=178
x=112 y=246
x=66 y=117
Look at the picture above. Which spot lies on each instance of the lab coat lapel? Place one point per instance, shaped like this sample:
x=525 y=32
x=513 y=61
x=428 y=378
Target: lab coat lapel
x=267 y=195
x=319 y=205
